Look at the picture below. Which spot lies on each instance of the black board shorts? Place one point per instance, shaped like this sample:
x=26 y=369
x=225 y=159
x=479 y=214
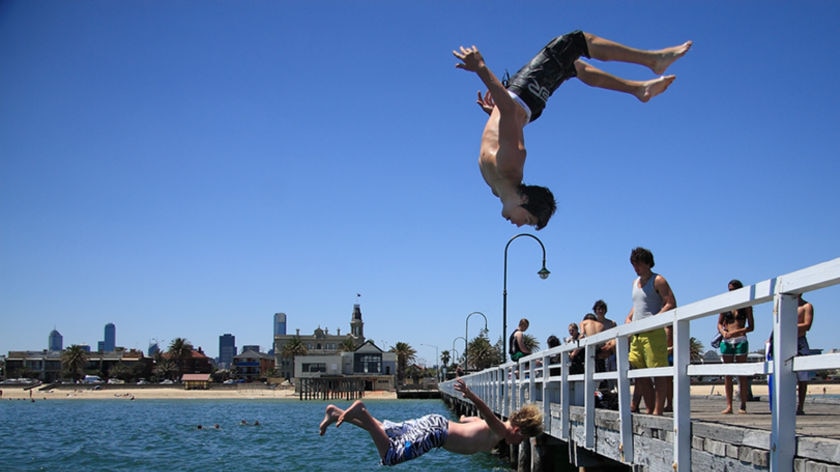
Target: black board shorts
x=555 y=63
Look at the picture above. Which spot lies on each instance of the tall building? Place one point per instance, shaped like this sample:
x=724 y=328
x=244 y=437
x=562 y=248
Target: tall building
x=110 y=342
x=227 y=349
x=279 y=324
x=56 y=341
x=357 y=326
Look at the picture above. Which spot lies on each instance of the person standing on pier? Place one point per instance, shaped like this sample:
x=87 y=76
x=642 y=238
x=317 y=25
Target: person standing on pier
x=804 y=319
x=651 y=295
x=608 y=349
x=399 y=442
x=734 y=326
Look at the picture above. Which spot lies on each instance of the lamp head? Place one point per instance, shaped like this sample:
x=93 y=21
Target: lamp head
x=543 y=273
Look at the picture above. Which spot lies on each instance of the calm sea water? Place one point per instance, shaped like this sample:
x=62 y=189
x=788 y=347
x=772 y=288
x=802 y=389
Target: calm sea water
x=161 y=435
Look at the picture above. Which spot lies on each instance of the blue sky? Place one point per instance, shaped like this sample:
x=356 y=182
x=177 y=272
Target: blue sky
x=187 y=169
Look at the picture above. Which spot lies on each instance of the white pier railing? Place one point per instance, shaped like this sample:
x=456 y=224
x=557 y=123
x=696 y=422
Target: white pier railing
x=508 y=386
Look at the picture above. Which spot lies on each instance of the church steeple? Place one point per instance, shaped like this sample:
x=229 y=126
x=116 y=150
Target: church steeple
x=357 y=326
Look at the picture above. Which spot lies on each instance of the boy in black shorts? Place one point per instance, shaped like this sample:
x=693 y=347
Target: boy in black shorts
x=522 y=99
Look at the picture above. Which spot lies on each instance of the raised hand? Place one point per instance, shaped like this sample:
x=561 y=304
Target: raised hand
x=470 y=57
x=486 y=102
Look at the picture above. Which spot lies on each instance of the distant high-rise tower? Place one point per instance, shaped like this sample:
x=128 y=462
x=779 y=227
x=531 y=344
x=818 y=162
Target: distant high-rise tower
x=56 y=341
x=227 y=349
x=357 y=326
x=279 y=324
x=110 y=342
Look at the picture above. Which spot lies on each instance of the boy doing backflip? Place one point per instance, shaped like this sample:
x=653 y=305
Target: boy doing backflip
x=521 y=100
x=399 y=442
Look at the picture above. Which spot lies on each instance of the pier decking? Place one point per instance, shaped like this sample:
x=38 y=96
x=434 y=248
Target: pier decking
x=695 y=436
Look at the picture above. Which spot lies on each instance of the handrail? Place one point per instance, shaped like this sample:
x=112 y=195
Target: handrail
x=504 y=387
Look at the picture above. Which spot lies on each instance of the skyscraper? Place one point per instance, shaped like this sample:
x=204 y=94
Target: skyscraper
x=110 y=341
x=279 y=324
x=56 y=341
x=227 y=349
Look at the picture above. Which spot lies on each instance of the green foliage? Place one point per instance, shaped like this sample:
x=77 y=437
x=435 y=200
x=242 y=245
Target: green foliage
x=481 y=354
x=348 y=345
x=180 y=351
x=444 y=358
x=73 y=361
x=405 y=356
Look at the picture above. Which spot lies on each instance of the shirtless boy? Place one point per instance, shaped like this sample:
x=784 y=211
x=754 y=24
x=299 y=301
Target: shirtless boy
x=399 y=442
x=522 y=99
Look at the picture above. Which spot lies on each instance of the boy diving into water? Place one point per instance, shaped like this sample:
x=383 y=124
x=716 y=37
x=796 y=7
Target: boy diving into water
x=399 y=442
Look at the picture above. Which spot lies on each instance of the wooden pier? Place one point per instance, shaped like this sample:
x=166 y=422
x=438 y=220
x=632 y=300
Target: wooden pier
x=331 y=388
x=695 y=437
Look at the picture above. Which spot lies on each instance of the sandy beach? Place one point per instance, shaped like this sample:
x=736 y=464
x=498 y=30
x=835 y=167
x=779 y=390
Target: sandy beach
x=121 y=392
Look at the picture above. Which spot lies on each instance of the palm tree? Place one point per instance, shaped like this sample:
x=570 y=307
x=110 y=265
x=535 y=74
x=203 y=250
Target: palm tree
x=165 y=368
x=405 y=355
x=73 y=361
x=695 y=348
x=444 y=358
x=180 y=350
x=530 y=342
x=293 y=348
x=348 y=345
x=482 y=354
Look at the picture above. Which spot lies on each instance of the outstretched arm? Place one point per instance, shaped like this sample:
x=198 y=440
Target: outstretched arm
x=495 y=424
x=471 y=60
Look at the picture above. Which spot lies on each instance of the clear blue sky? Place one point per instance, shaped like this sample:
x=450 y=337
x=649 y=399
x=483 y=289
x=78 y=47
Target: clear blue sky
x=187 y=169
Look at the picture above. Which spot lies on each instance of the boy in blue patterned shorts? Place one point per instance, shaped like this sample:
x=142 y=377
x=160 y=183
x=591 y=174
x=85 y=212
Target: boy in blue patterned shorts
x=399 y=442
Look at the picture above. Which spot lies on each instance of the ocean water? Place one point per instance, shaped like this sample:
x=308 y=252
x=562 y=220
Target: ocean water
x=162 y=435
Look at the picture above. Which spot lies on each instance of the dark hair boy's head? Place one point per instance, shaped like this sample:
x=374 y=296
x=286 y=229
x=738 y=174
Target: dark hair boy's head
x=540 y=203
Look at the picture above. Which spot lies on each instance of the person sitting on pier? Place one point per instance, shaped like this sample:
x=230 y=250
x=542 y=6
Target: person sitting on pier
x=399 y=442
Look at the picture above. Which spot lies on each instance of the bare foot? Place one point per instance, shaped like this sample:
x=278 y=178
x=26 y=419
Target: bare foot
x=742 y=411
x=351 y=413
x=667 y=57
x=727 y=411
x=651 y=88
x=330 y=416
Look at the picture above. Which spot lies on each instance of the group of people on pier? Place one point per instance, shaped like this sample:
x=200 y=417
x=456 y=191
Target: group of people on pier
x=511 y=104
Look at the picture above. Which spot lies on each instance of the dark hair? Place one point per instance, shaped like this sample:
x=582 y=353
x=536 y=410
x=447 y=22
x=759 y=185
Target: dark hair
x=540 y=203
x=590 y=316
x=553 y=341
x=599 y=303
x=643 y=255
x=736 y=283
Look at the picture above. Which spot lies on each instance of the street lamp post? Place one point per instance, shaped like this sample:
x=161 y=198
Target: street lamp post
x=465 y=344
x=467 y=331
x=543 y=273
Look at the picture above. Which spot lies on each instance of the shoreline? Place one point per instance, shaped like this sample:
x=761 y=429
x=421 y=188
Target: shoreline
x=123 y=392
